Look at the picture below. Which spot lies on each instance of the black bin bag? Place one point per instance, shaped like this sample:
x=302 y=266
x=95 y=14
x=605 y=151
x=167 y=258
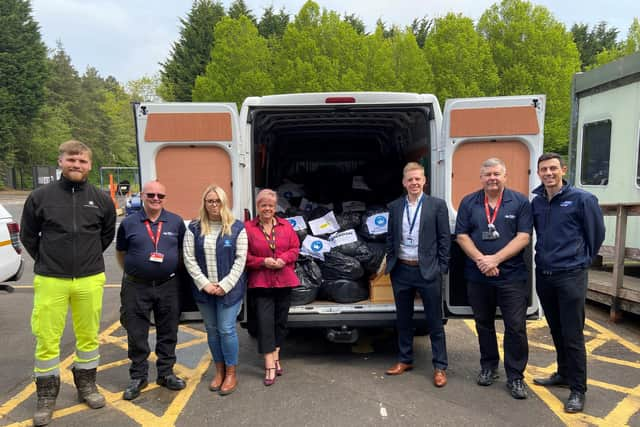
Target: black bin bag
x=345 y=291
x=337 y=265
x=310 y=278
x=377 y=251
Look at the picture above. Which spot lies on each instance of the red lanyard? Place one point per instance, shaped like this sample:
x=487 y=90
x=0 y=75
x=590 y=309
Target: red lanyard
x=271 y=239
x=155 y=239
x=491 y=219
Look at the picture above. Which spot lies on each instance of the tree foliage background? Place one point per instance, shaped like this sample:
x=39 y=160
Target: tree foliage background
x=515 y=48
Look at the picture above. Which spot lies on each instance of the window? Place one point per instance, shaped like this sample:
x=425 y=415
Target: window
x=596 y=150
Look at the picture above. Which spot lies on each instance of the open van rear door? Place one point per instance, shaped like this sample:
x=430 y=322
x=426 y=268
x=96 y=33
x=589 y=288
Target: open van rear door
x=188 y=146
x=474 y=130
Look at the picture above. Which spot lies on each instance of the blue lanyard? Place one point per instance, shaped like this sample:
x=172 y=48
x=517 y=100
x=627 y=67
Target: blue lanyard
x=415 y=214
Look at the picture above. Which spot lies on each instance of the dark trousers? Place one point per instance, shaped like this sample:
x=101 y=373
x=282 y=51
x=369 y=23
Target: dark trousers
x=562 y=296
x=406 y=281
x=138 y=301
x=272 y=310
x=512 y=299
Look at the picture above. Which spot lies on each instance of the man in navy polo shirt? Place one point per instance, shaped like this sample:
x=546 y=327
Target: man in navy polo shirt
x=148 y=248
x=493 y=227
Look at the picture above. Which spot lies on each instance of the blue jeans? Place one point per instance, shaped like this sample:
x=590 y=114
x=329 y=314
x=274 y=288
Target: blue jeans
x=406 y=281
x=220 y=323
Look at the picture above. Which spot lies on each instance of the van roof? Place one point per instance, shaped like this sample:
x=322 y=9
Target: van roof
x=347 y=98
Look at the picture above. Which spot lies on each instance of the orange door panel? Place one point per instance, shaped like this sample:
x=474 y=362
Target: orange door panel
x=467 y=159
x=187 y=170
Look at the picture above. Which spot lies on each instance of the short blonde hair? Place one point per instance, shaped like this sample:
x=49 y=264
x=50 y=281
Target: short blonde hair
x=266 y=193
x=226 y=216
x=72 y=147
x=412 y=166
x=491 y=162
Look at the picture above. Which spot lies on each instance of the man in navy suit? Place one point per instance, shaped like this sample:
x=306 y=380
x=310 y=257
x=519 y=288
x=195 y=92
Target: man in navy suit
x=418 y=242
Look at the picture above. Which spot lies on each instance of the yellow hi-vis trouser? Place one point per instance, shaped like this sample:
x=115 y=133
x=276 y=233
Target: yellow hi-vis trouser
x=51 y=299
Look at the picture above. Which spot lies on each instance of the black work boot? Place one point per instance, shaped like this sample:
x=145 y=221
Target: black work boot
x=85 y=380
x=47 y=389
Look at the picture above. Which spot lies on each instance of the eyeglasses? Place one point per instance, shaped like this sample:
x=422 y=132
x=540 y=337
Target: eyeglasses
x=154 y=195
x=214 y=202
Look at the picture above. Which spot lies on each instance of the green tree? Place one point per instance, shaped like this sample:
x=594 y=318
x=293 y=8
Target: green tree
x=58 y=117
x=420 y=29
x=272 y=24
x=240 y=64
x=190 y=54
x=23 y=72
x=591 y=42
x=627 y=47
x=534 y=54
x=460 y=59
x=356 y=22
x=318 y=52
x=239 y=8
x=411 y=69
x=144 y=89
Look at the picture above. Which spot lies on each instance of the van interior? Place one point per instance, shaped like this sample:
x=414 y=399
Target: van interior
x=325 y=148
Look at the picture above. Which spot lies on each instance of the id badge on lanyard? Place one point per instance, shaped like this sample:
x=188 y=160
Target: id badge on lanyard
x=492 y=232
x=411 y=239
x=155 y=256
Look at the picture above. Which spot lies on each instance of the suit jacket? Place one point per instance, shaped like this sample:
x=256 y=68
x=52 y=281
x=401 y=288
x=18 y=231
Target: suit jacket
x=434 y=240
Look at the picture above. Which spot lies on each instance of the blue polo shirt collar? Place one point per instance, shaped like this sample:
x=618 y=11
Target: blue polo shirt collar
x=162 y=217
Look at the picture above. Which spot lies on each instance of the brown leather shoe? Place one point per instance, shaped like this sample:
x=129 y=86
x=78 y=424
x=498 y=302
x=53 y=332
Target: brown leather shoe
x=439 y=378
x=230 y=381
x=218 y=378
x=399 y=368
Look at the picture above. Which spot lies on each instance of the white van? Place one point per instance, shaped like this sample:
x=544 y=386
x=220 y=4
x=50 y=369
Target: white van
x=190 y=145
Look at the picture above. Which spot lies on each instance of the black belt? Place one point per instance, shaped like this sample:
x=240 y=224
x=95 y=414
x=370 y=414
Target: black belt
x=411 y=262
x=141 y=281
x=559 y=272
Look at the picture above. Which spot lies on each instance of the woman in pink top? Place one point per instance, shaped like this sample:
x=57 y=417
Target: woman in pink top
x=273 y=250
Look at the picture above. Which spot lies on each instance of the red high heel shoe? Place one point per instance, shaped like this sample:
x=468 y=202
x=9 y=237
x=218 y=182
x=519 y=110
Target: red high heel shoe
x=279 y=370
x=269 y=381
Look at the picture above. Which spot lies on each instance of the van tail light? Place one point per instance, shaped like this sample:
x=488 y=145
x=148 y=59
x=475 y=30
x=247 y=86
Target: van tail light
x=14 y=233
x=340 y=100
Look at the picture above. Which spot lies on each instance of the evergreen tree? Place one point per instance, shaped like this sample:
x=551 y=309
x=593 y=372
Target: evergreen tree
x=191 y=53
x=239 y=8
x=23 y=72
x=591 y=42
x=272 y=24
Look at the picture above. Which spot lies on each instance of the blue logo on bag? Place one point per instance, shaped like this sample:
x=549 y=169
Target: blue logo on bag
x=316 y=246
x=293 y=222
x=380 y=220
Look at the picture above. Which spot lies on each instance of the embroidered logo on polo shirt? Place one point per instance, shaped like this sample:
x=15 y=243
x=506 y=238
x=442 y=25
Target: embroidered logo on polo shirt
x=227 y=243
x=566 y=203
x=510 y=216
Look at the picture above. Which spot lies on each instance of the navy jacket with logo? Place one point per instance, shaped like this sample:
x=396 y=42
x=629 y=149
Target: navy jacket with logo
x=569 y=228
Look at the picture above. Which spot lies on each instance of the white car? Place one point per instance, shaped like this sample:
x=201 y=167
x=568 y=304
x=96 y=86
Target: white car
x=11 y=263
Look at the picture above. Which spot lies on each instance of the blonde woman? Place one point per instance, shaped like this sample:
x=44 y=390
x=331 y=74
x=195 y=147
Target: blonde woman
x=215 y=252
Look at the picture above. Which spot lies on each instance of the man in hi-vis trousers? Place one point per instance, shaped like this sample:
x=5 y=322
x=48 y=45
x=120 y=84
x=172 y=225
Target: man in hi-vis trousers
x=66 y=226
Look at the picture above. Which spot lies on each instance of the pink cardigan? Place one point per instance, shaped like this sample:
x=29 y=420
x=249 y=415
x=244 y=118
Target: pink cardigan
x=287 y=248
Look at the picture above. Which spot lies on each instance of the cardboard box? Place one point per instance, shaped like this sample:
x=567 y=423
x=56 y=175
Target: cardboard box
x=380 y=290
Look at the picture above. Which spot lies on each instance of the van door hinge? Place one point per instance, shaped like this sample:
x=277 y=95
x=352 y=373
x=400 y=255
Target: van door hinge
x=242 y=160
